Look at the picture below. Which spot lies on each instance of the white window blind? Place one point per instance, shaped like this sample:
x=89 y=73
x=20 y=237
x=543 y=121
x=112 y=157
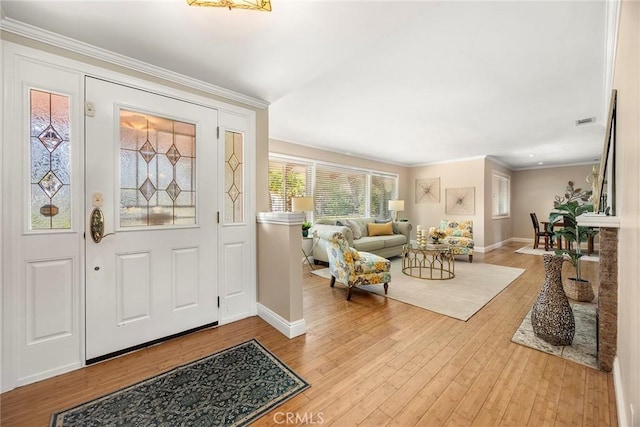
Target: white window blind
x=383 y=189
x=501 y=196
x=287 y=178
x=340 y=193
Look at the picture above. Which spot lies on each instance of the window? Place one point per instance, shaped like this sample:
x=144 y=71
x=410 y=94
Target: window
x=287 y=178
x=338 y=191
x=157 y=171
x=50 y=149
x=501 y=196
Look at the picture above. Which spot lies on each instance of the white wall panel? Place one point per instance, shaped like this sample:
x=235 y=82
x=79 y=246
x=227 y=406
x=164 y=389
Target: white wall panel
x=234 y=266
x=185 y=277
x=49 y=302
x=133 y=285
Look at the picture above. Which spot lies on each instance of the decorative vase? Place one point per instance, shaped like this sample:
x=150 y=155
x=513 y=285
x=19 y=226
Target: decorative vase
x=551 y=315
x=305 y=232
x=578 y=290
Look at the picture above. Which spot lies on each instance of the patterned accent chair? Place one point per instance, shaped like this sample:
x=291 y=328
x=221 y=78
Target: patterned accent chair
x=351 y=267
x=459 y=234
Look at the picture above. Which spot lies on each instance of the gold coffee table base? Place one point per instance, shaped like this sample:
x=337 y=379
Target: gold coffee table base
x=431 y=262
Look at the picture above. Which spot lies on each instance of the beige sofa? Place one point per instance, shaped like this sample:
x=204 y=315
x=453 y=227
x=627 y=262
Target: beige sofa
x=385 y=246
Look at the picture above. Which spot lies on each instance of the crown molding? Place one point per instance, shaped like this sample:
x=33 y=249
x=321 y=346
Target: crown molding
x=58 y=40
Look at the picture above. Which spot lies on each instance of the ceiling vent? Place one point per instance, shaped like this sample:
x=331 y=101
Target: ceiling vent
x=581 y=122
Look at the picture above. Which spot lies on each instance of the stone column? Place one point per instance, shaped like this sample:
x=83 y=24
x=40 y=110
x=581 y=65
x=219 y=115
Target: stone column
x=608 y=299
x=608 y=289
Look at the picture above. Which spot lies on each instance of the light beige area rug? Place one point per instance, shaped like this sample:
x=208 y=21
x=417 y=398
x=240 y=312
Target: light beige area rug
x=583 y=350
x=540 y=251
x=473 y=286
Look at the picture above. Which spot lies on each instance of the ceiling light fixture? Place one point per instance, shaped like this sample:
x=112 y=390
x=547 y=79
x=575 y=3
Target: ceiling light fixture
x=264 y=5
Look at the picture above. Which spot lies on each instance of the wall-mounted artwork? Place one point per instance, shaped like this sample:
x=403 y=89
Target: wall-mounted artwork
x=460 y=201
x=428 y=190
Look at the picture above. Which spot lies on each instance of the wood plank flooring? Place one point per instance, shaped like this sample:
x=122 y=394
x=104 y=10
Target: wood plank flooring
x=378 y=362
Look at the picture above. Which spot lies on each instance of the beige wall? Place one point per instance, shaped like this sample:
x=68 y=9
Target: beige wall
x=627 y=82
x=534 y=190
x=467 y=173
x=281 y=147
x=280 y=269
x=496 y=231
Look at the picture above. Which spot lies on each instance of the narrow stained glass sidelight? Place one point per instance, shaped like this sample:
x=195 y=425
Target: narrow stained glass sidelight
x=233 y=174
x=157 y=171
x=50 y=161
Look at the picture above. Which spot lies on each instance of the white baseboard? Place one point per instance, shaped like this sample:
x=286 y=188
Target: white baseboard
x=497 y=245
x=289 y=329
x=620 y=399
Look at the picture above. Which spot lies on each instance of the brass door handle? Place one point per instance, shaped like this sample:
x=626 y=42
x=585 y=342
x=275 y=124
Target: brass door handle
x=97 y=225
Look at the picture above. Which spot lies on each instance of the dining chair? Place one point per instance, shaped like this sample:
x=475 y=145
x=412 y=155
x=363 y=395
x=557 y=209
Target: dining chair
x=537 y=234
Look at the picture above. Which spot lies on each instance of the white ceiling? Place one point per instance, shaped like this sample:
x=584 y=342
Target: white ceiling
x=403 y=82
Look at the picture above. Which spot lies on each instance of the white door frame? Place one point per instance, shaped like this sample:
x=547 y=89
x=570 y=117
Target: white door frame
x=10 y=326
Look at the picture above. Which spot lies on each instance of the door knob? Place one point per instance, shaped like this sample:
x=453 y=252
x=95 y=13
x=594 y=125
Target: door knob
x=97 y=225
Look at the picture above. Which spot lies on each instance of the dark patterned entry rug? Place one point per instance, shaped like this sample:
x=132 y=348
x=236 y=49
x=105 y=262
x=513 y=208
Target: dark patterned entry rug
x=230 y=388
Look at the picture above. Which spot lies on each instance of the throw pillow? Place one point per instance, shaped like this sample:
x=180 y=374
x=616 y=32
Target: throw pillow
x=355 y=228
x=384 y=221
x=385 y=229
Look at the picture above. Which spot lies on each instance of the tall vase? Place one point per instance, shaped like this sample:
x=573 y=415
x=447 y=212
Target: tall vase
x=551 y=315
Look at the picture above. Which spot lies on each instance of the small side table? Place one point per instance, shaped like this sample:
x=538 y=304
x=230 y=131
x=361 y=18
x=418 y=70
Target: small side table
x=308 y=253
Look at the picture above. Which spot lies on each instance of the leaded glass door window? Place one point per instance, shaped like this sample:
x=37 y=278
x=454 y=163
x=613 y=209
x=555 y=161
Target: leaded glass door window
x=233 y=177
x=50 y=158
x=157 y=170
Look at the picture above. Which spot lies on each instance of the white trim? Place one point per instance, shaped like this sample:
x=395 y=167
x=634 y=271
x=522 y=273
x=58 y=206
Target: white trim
x=561 y=165
x=521 y=240
x=620 y=399
x=494 y=246
x=289 y=329
x=284 y=218
x=38 y=34
x=48 y=374
x=591 y=219
x=463 y=159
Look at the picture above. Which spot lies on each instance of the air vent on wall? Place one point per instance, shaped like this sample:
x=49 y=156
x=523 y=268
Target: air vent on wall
x=581 y=122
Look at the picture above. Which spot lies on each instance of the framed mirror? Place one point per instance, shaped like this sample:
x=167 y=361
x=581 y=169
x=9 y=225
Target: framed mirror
x=605 y=202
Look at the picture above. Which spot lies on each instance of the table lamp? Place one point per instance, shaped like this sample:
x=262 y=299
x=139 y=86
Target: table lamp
x=302 y=204
x=395 y=206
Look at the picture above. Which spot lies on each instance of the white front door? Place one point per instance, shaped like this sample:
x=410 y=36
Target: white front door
x=151 y=169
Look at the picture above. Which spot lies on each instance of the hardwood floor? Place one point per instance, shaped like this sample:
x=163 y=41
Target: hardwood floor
x=375 y=361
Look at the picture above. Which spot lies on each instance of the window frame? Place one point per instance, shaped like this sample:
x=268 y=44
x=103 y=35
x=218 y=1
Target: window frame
x=312 y=186
x=497 y=193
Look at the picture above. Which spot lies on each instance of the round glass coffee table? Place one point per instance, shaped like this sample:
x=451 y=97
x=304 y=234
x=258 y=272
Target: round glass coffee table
x=431 y=261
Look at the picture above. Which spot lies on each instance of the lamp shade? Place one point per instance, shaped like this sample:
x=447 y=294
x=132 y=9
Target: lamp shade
x=302 y=204
x=396 y=205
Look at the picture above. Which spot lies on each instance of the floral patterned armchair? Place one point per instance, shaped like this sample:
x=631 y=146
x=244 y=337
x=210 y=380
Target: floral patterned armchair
x=458 y=234
x=354 y=268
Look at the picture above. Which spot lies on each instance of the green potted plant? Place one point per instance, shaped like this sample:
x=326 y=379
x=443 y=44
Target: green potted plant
x=576 y=288
x=305 y=228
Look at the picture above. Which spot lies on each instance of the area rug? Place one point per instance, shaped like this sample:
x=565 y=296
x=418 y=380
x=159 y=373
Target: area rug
x=540 y=251
x=474 y=285
x=583 y=350
x=230 y=388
